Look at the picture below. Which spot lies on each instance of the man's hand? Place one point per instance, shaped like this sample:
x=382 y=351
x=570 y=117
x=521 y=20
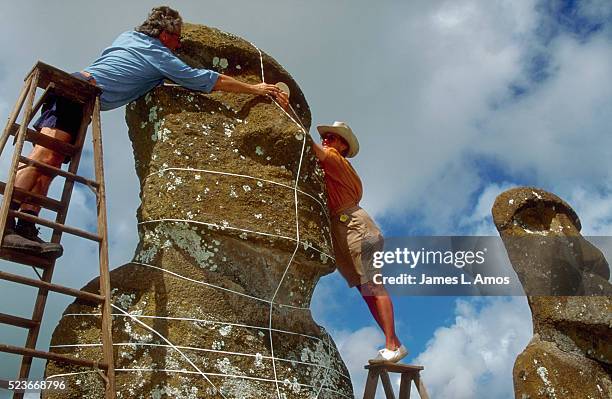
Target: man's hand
x=229 y=84
x=266 y=89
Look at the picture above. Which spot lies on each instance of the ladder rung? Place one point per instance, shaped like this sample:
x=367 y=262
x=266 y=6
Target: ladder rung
x=84 y=295
x=57 y=171
x=24 y=258
x=33 y=198
x=17 y=321
x=56 y=226
x=56 y=357
x=46 y=141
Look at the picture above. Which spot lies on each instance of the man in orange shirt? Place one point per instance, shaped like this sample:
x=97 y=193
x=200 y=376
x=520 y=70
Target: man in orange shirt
x=355 y=236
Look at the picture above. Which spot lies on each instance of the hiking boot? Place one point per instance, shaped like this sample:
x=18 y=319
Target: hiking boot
x=12 y=240
x=29 y=231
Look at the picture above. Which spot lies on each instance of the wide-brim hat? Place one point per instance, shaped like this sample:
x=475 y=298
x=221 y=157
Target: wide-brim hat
x=343 y=130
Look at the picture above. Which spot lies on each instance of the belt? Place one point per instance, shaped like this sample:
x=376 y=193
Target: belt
x=88 y=77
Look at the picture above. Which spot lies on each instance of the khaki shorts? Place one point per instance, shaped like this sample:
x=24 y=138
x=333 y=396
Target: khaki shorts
x=355 y=238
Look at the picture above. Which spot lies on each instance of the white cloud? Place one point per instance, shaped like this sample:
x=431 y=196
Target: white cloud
x=559 y=132
x=470 y=359
x=322 y=309
x=450 y=74
x=455 y=103
x=599 y=10
x=356 y=347
x=479 y=222
x=473 y=358
x=594 y=210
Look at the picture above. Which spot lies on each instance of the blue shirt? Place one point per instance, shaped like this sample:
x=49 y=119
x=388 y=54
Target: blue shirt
x=135 y=63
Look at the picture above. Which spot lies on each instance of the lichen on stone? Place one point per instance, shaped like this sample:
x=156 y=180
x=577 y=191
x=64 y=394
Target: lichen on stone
x=194 y=281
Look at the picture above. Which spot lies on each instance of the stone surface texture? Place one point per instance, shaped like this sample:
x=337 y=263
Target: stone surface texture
x=225 y=251
x=570 y=353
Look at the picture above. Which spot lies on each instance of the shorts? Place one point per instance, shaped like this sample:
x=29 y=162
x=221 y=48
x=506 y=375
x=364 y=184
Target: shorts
x=60 y=113
x=356 y=238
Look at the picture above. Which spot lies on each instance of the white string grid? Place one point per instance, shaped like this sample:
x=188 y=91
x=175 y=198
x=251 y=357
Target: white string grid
x=215 y=286
x=297 y=227
x=139 y=370
x=171 y=345
x=131 y=344
x=222 y=227
x=179 y=347
x=161 y=171
x=271 y=302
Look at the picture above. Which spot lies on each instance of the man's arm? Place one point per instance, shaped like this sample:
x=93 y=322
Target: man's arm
x=229 y=84
x=206 y=80
x=319 y=151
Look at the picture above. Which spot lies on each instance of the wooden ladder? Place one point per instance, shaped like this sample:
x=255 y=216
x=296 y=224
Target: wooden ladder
x=409 y=373
x=53 y=80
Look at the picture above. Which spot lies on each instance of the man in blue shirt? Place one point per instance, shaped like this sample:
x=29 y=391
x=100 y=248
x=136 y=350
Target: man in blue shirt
x=135 y=63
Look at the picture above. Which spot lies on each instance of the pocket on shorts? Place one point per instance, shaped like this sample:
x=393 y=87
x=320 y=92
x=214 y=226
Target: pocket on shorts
x=355 y=227
x=354 y=236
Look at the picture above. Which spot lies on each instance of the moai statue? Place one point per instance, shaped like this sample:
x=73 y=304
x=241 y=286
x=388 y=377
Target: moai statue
x=565 y=278
x=234 y=235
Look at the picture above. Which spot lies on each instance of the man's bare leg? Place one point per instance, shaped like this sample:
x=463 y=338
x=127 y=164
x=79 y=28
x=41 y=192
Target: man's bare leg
x=29 y=178
x=24 y=235
x=381 y=307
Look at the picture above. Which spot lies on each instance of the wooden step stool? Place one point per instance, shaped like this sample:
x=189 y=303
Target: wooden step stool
x=409 y=373
x=53 y=80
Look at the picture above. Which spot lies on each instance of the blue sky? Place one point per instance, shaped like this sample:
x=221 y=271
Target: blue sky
x=453 y=102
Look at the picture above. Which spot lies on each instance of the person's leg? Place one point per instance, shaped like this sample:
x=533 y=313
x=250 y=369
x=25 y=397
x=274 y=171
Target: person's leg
x=30 y=178
x=23 y=235
x=381 y=307
x=371 y=302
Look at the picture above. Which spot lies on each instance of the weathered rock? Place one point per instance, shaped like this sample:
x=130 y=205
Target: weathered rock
x=570 y=355
x=542 y=235
x=543 y=370
x=227 y=259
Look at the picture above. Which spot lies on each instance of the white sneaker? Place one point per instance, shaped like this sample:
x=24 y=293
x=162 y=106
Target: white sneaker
x=387 y=355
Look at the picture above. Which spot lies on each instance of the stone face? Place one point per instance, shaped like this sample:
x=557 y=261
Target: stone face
x=570 y=355
x=216 y=300
x=542 y=235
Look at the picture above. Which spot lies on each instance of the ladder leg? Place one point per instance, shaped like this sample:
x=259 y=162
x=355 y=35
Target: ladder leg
x=41 y=299
x=107 y=333
x=39 y=308
x=13 y=116
x=386 y=383
x=420 y=387
x=371 y=384
x=10 y=184
x=404 y=392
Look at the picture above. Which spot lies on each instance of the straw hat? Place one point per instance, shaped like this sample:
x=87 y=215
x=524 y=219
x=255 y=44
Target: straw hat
x=343 y=130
